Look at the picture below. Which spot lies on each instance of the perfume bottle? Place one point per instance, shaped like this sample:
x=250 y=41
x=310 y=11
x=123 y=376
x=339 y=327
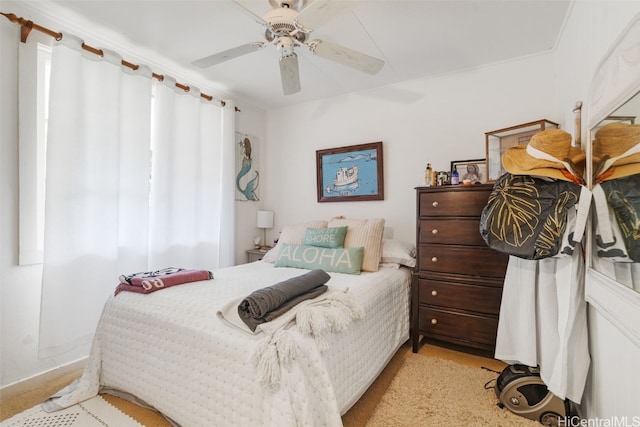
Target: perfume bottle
x=428 y=172
x=455 y=177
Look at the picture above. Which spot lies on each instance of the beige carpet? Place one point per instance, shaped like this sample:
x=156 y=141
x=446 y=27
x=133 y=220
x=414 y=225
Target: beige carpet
x=429 y=391
x=436 y=386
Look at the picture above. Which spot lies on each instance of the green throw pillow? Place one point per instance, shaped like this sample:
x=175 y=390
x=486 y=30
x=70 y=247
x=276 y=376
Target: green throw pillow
x=332 y=237
x=338 y=260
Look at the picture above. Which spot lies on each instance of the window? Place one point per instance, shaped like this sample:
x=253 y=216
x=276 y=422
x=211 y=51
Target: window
x=33 y=90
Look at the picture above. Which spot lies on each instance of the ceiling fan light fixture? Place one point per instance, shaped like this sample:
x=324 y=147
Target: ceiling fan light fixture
x=285 y=46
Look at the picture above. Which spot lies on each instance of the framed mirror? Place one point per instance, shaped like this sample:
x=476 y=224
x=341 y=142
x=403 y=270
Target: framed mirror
x=613 y=174
x=616 y=225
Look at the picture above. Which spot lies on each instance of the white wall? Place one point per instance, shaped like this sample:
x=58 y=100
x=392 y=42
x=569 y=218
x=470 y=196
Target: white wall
x=589 y=32
x=433 y=120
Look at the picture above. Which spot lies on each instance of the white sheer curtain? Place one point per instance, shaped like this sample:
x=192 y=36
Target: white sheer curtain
x=191 y=208
x=103 y=213
x=96 y=184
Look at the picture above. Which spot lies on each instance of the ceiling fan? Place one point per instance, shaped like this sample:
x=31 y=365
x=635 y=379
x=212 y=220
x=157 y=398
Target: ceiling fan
x=288 y=26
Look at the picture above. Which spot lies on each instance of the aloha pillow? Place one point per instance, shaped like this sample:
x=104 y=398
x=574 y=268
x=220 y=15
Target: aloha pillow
x=292 y=234
x=398 y=252
x=330 y=237
x=366 y=233
x=338 y=260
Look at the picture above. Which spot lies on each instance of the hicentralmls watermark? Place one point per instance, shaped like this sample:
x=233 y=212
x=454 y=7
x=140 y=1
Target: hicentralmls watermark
x=599 y=422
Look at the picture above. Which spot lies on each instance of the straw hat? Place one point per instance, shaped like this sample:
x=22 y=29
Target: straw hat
x=549 y=153
x=616 y=151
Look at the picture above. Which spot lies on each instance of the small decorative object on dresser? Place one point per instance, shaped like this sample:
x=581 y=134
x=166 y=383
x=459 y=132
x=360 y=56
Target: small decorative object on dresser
x=473 y=171
x=458 y=285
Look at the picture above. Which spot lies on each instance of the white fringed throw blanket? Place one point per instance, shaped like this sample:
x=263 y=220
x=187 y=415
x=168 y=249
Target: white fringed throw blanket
x=330 y=312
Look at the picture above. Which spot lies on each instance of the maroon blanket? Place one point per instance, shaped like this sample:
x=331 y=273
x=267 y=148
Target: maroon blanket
x=145 y=285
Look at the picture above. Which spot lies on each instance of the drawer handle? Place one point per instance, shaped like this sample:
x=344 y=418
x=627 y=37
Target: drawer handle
x=434 y=293
x=434 y=231
x=434 y=204
x=434 y=259
x=434 y=321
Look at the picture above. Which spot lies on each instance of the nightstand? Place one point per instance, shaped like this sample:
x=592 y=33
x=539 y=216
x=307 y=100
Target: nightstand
x=256 y=254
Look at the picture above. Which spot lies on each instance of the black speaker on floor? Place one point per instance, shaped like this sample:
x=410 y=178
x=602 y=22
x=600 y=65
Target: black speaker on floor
x=521 y=390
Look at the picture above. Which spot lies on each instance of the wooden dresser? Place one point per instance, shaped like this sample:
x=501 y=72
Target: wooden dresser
x=458 y=286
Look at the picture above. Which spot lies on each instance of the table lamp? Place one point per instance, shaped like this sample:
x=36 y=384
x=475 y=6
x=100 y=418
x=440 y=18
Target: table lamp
x=264 y=220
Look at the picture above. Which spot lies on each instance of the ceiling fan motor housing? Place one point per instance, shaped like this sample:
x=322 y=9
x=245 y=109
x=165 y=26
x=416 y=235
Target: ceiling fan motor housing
x=281 y=22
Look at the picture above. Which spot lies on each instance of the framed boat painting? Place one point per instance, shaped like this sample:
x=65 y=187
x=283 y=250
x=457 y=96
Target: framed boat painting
x=352 y=173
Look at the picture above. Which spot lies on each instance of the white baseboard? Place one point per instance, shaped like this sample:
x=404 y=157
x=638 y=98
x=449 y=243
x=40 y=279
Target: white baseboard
x=31 y=382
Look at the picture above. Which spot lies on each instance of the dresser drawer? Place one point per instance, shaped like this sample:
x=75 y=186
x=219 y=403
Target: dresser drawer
x=452 y=203
x=481 y=299
x=469 y=260
x=462 y=327
x=450 y=231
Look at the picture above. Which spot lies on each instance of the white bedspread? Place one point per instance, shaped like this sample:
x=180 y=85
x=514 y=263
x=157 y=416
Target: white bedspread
x=171 y=350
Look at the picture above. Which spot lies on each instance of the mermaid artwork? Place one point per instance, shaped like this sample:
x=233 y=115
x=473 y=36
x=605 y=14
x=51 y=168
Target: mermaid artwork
x=250 y=189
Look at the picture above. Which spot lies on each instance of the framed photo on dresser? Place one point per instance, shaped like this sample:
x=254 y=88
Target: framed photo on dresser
x=473 y=170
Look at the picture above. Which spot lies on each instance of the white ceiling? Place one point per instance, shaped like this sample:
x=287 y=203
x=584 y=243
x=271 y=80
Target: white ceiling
x=415 y=38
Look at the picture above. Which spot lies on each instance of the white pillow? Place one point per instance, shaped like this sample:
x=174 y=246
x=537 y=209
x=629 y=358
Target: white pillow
x=292 y=235
x=366 y=233
x=398 y=252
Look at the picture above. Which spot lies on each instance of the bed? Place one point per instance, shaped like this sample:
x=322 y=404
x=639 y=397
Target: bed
x=174 y=351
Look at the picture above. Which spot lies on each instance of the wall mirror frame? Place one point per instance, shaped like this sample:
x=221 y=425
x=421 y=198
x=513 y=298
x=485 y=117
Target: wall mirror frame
x=616 y=84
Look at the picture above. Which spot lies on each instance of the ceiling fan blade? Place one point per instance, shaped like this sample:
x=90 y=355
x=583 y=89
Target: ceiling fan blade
x=322 y=11
x=289 y=74
x=225 y=55
x=250 y=14
x=345 y=56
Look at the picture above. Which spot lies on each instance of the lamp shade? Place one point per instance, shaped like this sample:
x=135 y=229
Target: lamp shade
x=264 y=219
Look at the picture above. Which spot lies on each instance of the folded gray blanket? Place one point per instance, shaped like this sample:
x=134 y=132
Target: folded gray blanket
x=264 y=305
